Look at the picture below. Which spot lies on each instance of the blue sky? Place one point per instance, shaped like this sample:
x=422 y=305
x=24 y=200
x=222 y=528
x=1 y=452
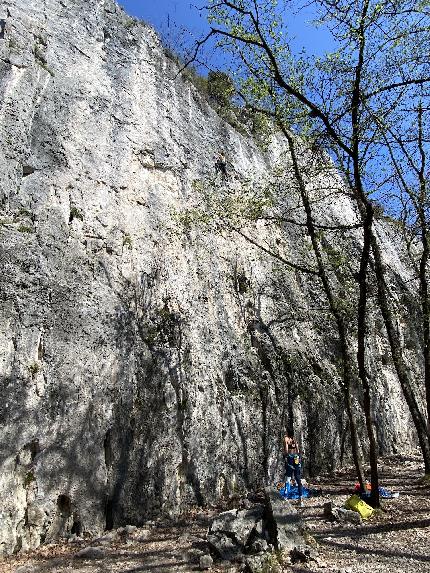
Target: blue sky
x=169 y=17
x=179 y=21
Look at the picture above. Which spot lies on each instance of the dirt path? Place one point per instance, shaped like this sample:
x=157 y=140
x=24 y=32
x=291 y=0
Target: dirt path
x=397 y=540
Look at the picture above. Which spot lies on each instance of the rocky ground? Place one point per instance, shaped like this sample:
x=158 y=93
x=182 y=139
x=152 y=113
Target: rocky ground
x=396 y=540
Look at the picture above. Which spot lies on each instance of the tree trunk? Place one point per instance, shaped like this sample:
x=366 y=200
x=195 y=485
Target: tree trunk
x=421 y=201
x=361 y=354
x=348 y=377
x=348 y=368
x=425 y=309
x=366 y=210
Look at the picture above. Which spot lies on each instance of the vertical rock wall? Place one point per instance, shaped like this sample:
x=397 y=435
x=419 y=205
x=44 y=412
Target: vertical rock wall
x=143 y=368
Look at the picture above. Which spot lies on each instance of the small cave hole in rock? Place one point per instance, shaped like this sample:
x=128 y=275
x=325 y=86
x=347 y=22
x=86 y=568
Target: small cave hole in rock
x=18 y=545
x=34 y=448
x=2 y=28
x=109 y=514
x=107 y=445
x=75 y=213
x=27 y=170
x=242 y=283
x=64 y=505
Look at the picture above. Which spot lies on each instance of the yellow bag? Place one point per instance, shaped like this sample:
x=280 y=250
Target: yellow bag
x=357 y=504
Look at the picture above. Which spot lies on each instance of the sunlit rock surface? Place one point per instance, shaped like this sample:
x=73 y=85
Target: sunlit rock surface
x=145 y=368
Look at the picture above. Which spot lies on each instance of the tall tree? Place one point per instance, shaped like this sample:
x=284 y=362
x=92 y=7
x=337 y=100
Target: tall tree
x=408 y=146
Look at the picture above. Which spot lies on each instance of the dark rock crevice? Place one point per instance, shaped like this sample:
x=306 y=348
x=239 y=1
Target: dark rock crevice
x=27 y=170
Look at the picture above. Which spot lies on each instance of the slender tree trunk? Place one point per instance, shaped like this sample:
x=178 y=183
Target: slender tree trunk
x=361 y=355
x=348 y=368
x=425 y=309
x=348 y=376
x=366 y=210
x=420 y=203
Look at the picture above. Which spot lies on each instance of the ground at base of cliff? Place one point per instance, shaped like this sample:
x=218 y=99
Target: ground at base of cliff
x=395 y=540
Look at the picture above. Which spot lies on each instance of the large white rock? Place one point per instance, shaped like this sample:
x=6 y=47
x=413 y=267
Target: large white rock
x=143 y=368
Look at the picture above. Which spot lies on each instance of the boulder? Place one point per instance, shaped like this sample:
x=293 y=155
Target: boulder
x=206 y=562
x=254 y=564
x=97 y=552
x=239 y=523
x=347 y=515
x=259 y=545
x=194 y=554
x=130 y=529
x=76 y=539
x=143 y=535
x=341 y=514
x=285 y=524
x=232 y=531
x=302 y=554
x=226 y=547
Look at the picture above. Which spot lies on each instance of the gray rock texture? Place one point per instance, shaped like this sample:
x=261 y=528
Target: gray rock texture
x=231 y=532
x=205 y=562
x=143 y=368
x=331 y=511
x=286 y=522
x=91 y=553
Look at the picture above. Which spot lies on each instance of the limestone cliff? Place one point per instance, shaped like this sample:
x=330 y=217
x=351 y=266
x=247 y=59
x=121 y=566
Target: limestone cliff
x=143 y=369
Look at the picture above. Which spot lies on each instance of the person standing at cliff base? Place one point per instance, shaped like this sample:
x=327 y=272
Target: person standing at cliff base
x=293 y=464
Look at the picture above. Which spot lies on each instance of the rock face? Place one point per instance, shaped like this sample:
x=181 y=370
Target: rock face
x=143 y=368
x=235 y=531
x=275 y=524
x=287 y=523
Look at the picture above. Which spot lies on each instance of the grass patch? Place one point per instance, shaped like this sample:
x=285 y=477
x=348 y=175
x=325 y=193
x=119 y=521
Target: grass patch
x=75 y=213
x=25 y=229
x=127 y=241
x=29 y=478
x=25 y=213
x=45 y=67
x=34 y=368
